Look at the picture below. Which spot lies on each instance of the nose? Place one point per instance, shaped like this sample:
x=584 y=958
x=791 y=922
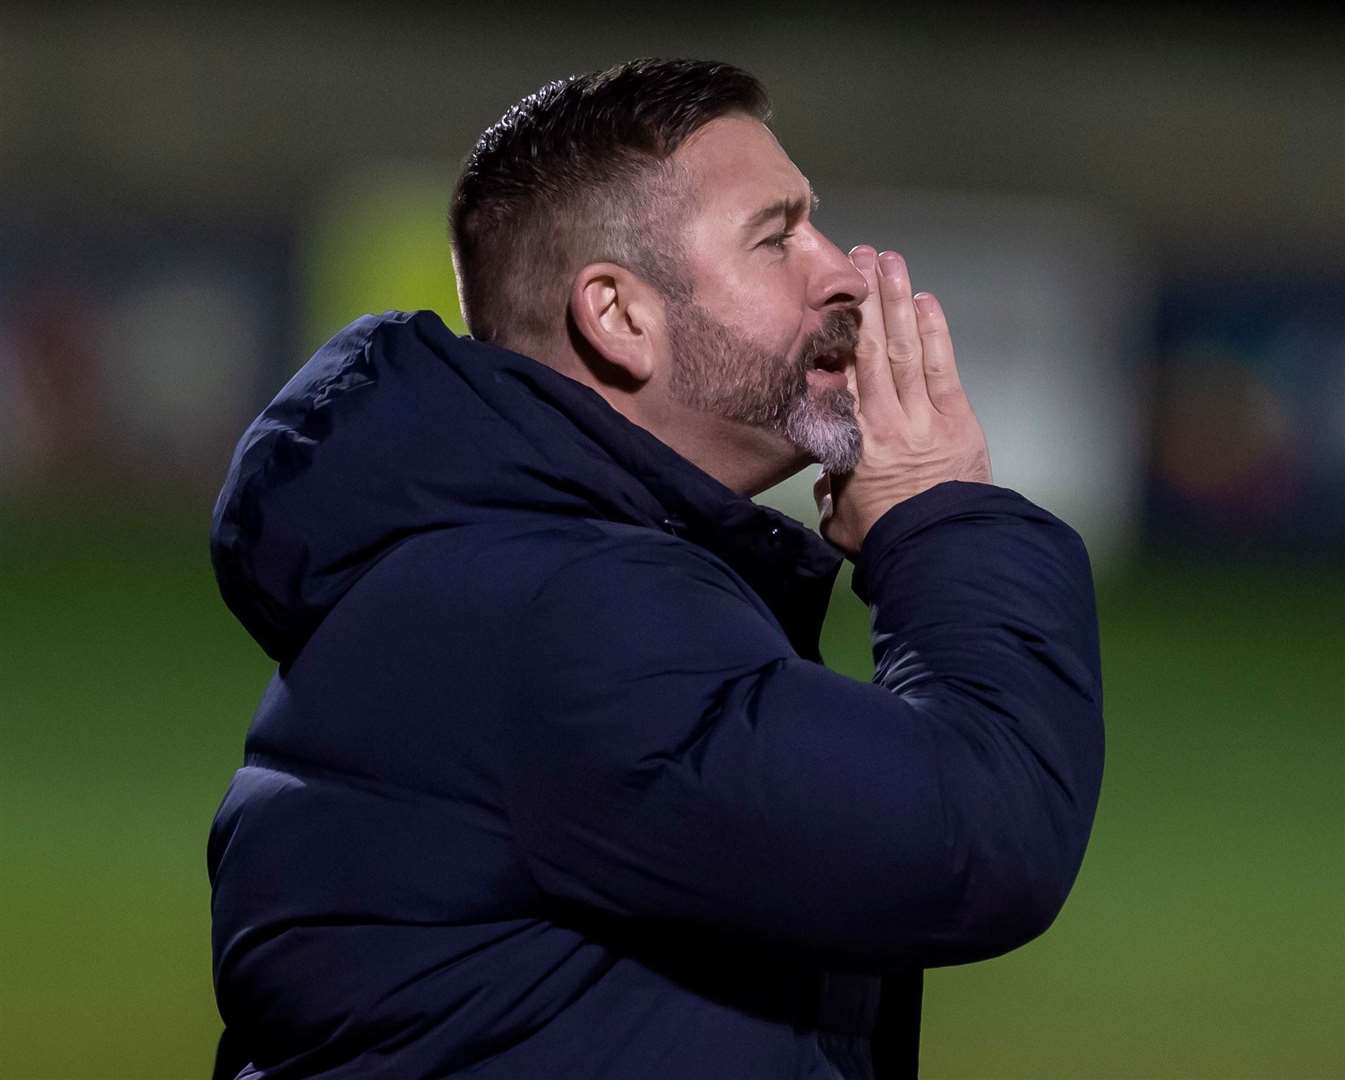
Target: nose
x=834 y=282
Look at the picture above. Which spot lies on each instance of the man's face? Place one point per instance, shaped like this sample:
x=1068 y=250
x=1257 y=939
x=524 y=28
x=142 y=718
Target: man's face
x=767 y=338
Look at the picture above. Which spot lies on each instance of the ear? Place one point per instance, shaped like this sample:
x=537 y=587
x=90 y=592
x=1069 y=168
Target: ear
x=620 y=317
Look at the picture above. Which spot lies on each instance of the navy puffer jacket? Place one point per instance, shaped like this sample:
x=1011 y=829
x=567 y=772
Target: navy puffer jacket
x=550 y=780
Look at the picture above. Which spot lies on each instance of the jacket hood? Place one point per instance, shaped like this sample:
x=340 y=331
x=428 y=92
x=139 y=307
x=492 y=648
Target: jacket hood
x=397 y=426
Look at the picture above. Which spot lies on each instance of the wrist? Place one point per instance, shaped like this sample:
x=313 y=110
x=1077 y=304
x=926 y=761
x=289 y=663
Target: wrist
x=944 y=501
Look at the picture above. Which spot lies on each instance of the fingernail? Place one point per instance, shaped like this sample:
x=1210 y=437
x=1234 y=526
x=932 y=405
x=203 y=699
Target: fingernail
x=889 y=264
x=925 y=304
x=862 y=257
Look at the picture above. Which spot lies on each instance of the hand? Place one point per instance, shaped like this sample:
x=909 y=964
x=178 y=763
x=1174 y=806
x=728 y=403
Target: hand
x=917 y=424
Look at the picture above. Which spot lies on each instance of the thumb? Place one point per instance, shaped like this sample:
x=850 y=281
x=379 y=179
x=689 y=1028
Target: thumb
x=822 y=493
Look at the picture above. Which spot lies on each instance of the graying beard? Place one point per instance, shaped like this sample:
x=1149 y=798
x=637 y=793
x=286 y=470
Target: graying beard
x=758 y=392
x=826 y=428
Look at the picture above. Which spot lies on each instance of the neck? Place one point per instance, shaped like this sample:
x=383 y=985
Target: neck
x=743 y=458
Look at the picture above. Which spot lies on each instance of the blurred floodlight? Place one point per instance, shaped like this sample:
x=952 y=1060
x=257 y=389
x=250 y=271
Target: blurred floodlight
x=377 y=239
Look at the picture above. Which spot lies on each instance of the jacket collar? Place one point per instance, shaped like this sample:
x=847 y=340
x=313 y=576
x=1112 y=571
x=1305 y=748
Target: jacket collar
x=785 y=563
x=397 y=426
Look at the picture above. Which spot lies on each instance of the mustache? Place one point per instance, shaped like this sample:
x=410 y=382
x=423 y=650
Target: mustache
x=839 y=333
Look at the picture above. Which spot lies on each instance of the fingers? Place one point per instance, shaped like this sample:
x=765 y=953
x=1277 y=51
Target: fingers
x=905 y=353
x=873 y=377
x=941 y=379
x=903 y=342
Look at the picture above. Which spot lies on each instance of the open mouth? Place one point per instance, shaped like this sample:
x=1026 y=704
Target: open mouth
x=834 y=360
x=831 y=351
x=827 y=370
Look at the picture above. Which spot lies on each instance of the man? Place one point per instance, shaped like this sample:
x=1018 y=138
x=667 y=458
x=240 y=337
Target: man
x=550 y=781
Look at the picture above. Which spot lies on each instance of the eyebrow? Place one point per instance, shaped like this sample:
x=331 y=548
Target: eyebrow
x=789 y=209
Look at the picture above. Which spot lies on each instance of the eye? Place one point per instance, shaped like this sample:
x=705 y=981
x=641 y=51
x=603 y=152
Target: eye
x=779 y=241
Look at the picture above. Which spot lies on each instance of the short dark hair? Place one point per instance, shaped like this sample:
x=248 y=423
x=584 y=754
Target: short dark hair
x=579 y=172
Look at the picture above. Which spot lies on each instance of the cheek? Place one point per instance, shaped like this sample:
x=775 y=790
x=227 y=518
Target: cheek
x=778 y=322
x=762 y=306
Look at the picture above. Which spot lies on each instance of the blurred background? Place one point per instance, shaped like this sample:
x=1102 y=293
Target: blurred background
x=1137 y=227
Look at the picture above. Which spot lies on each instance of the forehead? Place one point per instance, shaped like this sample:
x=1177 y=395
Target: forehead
x=738 y=167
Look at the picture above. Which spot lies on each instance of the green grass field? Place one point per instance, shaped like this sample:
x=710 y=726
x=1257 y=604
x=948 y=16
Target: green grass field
x=1205 y=937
